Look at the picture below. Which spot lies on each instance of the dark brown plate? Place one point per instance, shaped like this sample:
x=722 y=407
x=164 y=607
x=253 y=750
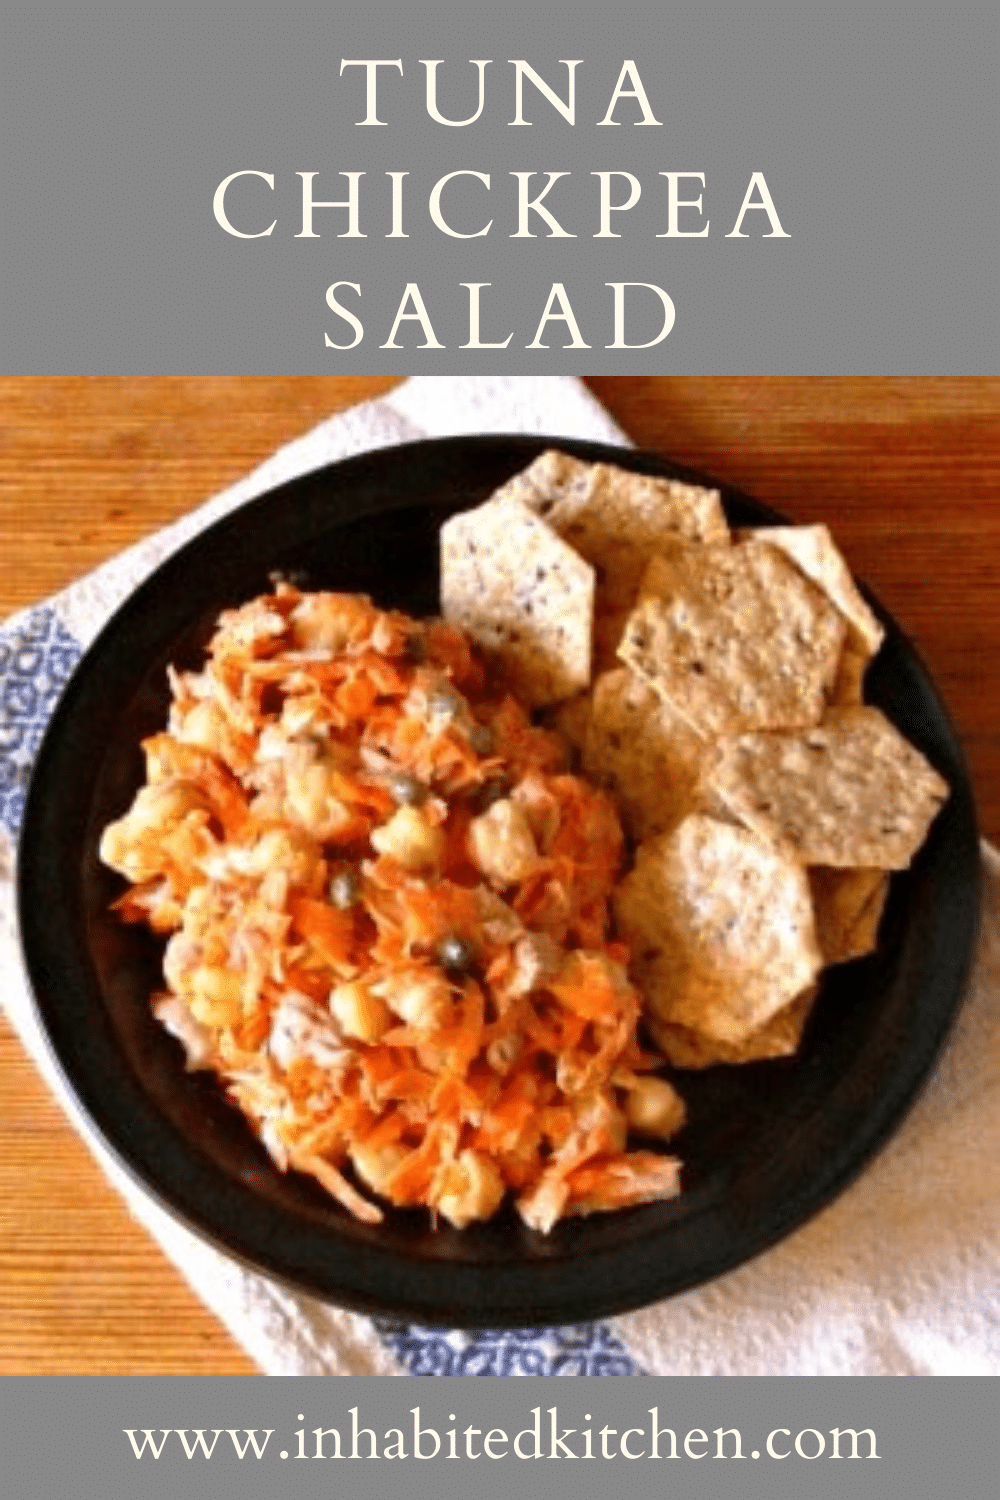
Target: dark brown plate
x=766 y=1146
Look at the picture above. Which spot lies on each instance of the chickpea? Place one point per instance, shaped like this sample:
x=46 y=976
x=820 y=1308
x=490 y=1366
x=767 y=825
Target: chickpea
x=215 y=996
x=376 y=1164
x=473 y=1189
x=410 y=839
x=420 y=998
x=654 y=1107
x=345 y=887
x=502 y=845
x=359 y=1013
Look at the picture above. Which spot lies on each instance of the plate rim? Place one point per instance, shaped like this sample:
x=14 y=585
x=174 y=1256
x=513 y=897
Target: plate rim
x=819 y=1190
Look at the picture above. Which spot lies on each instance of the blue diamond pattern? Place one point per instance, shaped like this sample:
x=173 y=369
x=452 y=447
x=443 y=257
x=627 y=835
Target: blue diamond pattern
x=582 y=1349
x=36 y=660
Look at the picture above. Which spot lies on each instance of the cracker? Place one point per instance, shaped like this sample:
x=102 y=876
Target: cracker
x=736 y=638
x=643 y=510
x=848 y=906
x=778 y=1037
x=523 y=595
x=849 y=683
x=550 y=476
x=618 y=579
x=849 y=792
x=720 y=927
x=615 y=519
x=643 y=752
x=864 y=933
x=595 y=506
x=816 y=554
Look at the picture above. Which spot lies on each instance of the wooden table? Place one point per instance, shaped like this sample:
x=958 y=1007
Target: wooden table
x=907 y=472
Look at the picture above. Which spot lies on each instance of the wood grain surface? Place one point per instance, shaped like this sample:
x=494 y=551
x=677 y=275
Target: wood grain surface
x=906 y=472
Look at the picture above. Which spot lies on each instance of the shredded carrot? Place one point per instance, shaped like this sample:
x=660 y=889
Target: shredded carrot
x=330 y=932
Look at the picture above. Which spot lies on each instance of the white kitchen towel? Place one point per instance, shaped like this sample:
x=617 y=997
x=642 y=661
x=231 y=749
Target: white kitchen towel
x=898 y=1276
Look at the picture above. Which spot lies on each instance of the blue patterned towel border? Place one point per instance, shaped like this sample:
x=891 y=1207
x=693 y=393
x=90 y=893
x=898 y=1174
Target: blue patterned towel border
x=37 y=657
x=581 y=1349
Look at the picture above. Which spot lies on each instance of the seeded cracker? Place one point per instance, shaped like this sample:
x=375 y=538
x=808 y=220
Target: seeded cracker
x=618 y=580
x=595 y=505
x=643 y=752
x=642 y=509
x=523 y=594
x=849 y=792
x=848 y=906
x=735 y=638
x=816 y=554
x=720 y=926
x=548 y=478
x=849 y=683
x=778 y=1037
x=616 y=519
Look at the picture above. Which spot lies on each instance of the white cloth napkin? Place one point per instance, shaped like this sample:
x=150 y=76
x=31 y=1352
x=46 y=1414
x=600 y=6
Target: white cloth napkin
x=898 y=1276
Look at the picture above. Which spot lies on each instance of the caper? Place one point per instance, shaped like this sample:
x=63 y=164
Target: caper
x=455 y=953
x=445 y=705
x=297 y=577
x=406 y=790
x=491 y=791
x=483 y=740
x=345 y=888
x=416 y=648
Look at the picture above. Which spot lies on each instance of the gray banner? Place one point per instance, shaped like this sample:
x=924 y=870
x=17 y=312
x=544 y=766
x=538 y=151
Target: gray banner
x=102 y=1437
x=869 y=130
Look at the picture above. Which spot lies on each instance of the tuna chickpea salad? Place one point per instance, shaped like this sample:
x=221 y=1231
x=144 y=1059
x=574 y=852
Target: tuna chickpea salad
x=386 y=906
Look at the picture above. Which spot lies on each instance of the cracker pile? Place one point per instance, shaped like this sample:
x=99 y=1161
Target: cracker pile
x=713 y=682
